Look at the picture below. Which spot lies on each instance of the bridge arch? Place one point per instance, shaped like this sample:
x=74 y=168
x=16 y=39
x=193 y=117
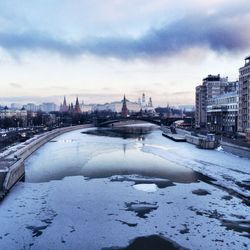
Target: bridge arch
x=112 y=121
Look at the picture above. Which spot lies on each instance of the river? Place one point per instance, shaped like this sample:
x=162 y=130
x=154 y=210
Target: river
x=124 y=188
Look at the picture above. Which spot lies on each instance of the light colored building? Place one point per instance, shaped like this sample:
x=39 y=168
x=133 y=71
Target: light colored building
x=87 y=108
x=31 y=107
x=222 y=112
x=15 y=106
x=48 y=107
x=10 y=113
x=117 y=106
x=244 y=96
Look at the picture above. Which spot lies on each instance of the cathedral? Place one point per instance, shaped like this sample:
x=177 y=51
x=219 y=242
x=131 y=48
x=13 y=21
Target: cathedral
x=71 y=107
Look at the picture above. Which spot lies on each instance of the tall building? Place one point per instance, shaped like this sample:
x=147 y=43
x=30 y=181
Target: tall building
x=212 y=86
x=215 y=85
x=124 y=108
x=244 y=96
x=77 y=106
x=200 y=106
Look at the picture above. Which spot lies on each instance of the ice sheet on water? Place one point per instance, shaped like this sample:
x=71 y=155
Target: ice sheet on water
x=149 y=188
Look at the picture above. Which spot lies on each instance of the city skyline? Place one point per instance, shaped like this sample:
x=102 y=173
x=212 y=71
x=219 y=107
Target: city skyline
x=99 y=51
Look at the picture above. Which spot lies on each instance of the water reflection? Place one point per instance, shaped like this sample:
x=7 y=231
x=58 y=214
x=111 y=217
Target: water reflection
x=99 y=153
x=123 y=132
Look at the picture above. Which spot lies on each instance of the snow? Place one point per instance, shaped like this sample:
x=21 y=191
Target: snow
x=76 y=212
x=13 y=149
x=227 y=169
x=146 y=187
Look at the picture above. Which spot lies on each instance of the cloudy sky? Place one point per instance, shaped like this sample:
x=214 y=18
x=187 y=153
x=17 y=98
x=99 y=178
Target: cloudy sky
x=100 y=50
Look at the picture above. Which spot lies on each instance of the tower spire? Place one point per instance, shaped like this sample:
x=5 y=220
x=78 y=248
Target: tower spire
x=64 y=107
x=124 y=108
x=77 y=106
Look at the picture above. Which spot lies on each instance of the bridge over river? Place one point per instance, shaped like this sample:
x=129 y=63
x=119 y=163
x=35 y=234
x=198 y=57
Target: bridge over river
x=102 y=122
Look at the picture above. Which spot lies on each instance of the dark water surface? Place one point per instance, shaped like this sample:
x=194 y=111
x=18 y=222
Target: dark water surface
x=98 y=153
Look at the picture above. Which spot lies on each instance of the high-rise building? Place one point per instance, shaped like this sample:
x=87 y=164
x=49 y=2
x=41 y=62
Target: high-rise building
x=200 y=106
x=215 y=85
x=124 y=108
x=212 y=86
x=244 y=96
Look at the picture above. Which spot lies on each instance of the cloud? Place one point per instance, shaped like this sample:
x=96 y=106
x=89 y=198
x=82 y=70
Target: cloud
x=15 y=85
x=181 y=93
x=218 y=32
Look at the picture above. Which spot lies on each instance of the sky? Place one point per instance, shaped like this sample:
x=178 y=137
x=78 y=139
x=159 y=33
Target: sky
x=101 y=50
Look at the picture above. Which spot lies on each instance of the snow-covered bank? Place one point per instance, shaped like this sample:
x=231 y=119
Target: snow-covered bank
x=228 y=170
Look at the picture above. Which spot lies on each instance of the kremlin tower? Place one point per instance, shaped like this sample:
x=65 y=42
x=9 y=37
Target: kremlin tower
x=77 y=107
x=64 y=107
x=124 y=108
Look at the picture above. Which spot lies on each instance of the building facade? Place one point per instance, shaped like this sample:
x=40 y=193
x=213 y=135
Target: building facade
x=215 y=85
x=212 y=86
x=200 y=107
x=222 y=113
x=244 y=96
x=217 y=104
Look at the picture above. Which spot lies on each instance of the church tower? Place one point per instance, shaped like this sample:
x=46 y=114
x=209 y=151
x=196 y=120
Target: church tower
x=124 y=108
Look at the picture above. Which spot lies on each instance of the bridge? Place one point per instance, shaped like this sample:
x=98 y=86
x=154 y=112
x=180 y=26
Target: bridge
x=154 y=120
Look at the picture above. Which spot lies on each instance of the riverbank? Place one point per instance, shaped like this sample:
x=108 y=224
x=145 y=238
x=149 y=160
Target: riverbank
x=12 y=161
x=237 y=147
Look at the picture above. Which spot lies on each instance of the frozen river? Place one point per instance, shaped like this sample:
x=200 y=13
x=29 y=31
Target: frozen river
x=125 y=188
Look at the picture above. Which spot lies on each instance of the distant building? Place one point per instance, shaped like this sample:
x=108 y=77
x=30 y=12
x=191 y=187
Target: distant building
x=133 y=107
x=31 y=107
x=15 y=106
x=124 y=111
x=10 y=113
x=86 y=108
x=48 y=107
x=244 y=96
x=64 y=106
x=77 y=108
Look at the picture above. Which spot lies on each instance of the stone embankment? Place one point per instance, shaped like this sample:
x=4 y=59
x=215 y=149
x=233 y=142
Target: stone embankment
x=181 y=135
x=12 y=165
x=236 y=149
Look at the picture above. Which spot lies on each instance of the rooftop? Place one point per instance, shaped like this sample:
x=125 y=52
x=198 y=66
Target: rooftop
x=212 y=78
x=247 y=60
